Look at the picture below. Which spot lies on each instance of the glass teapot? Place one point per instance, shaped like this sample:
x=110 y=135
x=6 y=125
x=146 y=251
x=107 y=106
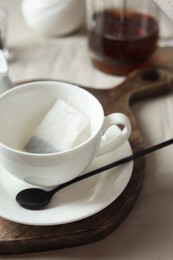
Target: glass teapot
x=122 y=34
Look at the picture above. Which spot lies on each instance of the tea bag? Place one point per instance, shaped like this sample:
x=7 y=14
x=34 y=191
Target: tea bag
x=62 y=128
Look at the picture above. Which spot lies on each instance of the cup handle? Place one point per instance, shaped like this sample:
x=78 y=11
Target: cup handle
x=112 y=141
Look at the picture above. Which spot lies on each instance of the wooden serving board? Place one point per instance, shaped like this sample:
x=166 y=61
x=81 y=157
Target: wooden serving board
x=19 y=238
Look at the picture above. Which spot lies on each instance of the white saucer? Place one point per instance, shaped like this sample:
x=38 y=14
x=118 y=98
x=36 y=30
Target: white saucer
x=73 y=203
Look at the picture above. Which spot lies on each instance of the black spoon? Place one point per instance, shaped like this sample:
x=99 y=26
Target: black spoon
x=35 y=198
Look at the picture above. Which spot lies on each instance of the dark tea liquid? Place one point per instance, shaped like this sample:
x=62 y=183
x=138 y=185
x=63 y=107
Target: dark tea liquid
x=118 y=47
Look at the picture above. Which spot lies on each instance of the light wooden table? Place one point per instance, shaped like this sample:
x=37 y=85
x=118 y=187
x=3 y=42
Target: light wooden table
x=147 y=233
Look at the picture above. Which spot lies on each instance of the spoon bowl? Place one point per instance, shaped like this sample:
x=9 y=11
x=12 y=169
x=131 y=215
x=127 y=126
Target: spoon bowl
x=33 y=198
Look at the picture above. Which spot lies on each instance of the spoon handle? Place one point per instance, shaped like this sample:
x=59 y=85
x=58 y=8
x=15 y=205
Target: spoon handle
x=116 y=163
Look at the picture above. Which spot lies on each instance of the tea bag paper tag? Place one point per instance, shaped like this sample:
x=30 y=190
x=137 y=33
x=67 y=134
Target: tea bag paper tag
x=59 y=129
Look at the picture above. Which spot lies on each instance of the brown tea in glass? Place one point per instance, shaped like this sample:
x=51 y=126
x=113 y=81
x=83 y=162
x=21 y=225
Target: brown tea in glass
x=119 y=44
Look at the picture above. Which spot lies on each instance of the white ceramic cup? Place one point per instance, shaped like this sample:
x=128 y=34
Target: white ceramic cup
x=22 y=107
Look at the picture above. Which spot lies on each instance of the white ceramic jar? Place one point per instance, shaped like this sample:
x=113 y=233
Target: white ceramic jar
x=54 y=17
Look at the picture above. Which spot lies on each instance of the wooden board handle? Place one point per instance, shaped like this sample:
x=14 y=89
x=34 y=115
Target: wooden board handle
x=138 y=85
